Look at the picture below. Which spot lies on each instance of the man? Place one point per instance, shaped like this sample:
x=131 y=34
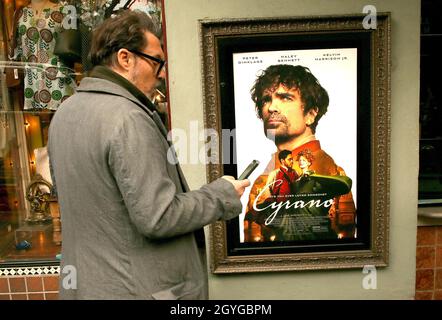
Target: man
x=281 y=184
x=128 y=221
x=281 y=181
x=290 y=101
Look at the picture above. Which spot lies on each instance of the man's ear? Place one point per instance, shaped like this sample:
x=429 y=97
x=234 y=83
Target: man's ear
x=311 y=116
x=124 y=58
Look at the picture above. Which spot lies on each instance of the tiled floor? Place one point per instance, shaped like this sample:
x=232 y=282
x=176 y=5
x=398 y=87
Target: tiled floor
x=29 y=288
x=429 y=263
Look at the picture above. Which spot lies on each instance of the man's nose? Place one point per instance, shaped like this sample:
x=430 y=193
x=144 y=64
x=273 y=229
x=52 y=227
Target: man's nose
x=273 y=106
x=162 y=74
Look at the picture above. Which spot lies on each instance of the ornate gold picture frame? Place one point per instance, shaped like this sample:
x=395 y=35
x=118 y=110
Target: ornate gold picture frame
x=352 y=63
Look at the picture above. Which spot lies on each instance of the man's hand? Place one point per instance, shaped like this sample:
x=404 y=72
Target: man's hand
x=239 y=185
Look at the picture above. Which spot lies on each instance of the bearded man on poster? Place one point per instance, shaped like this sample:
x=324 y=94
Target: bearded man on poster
x=290 y=101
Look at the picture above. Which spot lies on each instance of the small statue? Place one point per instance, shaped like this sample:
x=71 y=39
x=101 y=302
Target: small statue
x=39 y=199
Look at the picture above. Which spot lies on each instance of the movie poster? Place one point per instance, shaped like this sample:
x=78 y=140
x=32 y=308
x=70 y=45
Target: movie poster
x=304 y=189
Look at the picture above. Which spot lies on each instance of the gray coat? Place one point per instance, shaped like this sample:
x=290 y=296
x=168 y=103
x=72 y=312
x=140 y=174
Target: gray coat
x=127 y=222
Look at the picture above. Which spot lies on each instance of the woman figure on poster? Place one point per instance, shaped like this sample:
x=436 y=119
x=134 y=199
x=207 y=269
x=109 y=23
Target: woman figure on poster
x=305 y=159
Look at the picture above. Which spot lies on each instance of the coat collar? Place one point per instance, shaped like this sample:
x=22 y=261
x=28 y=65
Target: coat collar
x=103 y=72
x=98 y=85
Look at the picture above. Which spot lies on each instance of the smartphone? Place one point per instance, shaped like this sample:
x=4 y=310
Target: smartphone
x=246 y=173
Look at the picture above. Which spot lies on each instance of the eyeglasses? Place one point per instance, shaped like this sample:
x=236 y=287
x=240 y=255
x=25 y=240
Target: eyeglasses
x=161 y=62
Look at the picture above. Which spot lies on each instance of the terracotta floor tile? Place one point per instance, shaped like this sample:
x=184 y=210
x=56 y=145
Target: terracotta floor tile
x=5 y=297
x=425 y=279
x=423 y=295
x=19 y=296
x=426 y=236
x=438 y=280
x=439 y=235
x=439 y=257
x=50 y=283
x=35 y=284
x=425 y=257
x=17 y=284
x=438 y=295
x=4 y=288
x=36 y=296
x=51 y=296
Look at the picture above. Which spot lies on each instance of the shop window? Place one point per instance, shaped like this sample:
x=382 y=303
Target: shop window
x=35 y=78
x=430 y=148
x=34 y=81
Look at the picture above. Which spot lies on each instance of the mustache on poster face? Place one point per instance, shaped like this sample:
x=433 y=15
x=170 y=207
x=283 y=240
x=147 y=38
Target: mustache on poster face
x=275 y=117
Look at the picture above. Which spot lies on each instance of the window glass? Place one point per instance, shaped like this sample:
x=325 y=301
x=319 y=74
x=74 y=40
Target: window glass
x=430 y=150
x=42 y=62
